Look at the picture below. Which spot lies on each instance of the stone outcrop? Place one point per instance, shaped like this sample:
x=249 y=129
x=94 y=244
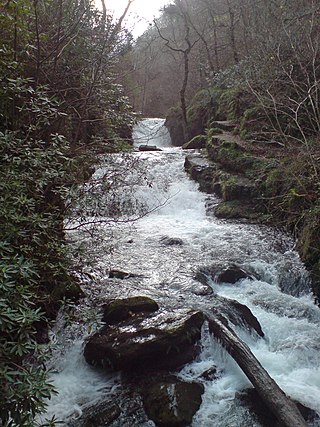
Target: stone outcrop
x=201 y=170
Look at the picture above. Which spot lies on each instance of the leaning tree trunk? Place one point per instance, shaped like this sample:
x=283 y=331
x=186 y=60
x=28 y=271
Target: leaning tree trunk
x=275 y=399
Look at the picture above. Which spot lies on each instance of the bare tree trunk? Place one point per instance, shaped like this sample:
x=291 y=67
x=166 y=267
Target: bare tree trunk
x=183 y=94
x=232 y=34
x=275 y=399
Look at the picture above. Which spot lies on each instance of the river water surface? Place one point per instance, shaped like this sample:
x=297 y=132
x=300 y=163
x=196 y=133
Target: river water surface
x=153 y=187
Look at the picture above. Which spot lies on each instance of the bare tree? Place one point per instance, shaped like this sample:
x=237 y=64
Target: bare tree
x=184 y=48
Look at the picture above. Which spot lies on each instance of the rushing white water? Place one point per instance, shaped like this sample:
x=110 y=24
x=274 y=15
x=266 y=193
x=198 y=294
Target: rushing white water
x=170 y=205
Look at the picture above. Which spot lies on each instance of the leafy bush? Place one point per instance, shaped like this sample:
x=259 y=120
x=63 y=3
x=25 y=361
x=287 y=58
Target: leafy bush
x=23 y=379
x=34 y=173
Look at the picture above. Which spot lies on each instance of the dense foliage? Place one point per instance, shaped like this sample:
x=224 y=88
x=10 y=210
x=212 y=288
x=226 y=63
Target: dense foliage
x=58 y=97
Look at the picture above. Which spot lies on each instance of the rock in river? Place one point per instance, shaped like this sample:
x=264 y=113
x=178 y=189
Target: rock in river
x=163 y=339
x=172 y=402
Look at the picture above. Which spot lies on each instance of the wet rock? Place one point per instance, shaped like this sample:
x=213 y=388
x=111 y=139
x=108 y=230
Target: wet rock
x=159 y=340
x=197 y=142
x=211 y=374
x=201 y=170
x=174 y=124
x=149 y=148
x=121 y=309
x=102 y=414
x=118 y=274
x=202 y=290
x=172 y=402
x=232 y=275
x=241 y=315
x=171 y=241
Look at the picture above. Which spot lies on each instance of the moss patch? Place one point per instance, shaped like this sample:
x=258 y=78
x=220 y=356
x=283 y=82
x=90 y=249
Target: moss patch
x=236 y=209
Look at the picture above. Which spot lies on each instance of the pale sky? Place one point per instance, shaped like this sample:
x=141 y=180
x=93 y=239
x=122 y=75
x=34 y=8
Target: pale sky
x=141 y=12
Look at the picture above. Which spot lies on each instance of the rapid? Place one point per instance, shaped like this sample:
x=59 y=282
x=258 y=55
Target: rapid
x=144 y=198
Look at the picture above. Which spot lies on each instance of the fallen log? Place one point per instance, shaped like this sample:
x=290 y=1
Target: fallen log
x=274 y=398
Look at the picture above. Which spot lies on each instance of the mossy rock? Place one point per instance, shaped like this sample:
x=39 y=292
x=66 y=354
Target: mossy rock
x=172 y=402
x=236 y=209
x=121 y=309
x=238 y=188
x=203 y=107
x=233 y=102
x=229 y=154
x=254 y=123
x=197 y=142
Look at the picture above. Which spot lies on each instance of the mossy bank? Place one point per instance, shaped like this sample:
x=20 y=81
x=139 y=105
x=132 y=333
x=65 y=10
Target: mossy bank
x=258 y=180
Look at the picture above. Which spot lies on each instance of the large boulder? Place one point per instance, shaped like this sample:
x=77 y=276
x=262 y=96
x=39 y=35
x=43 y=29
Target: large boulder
x=162 y=339
x=172 y=402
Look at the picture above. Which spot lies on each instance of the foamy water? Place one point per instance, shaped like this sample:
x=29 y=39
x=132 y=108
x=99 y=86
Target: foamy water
x=170 y=205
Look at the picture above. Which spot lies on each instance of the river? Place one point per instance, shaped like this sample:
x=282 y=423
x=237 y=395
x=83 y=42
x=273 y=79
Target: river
x=142 y=199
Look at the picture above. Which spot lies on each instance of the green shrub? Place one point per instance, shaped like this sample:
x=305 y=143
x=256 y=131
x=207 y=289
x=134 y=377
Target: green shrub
x=23 y=379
